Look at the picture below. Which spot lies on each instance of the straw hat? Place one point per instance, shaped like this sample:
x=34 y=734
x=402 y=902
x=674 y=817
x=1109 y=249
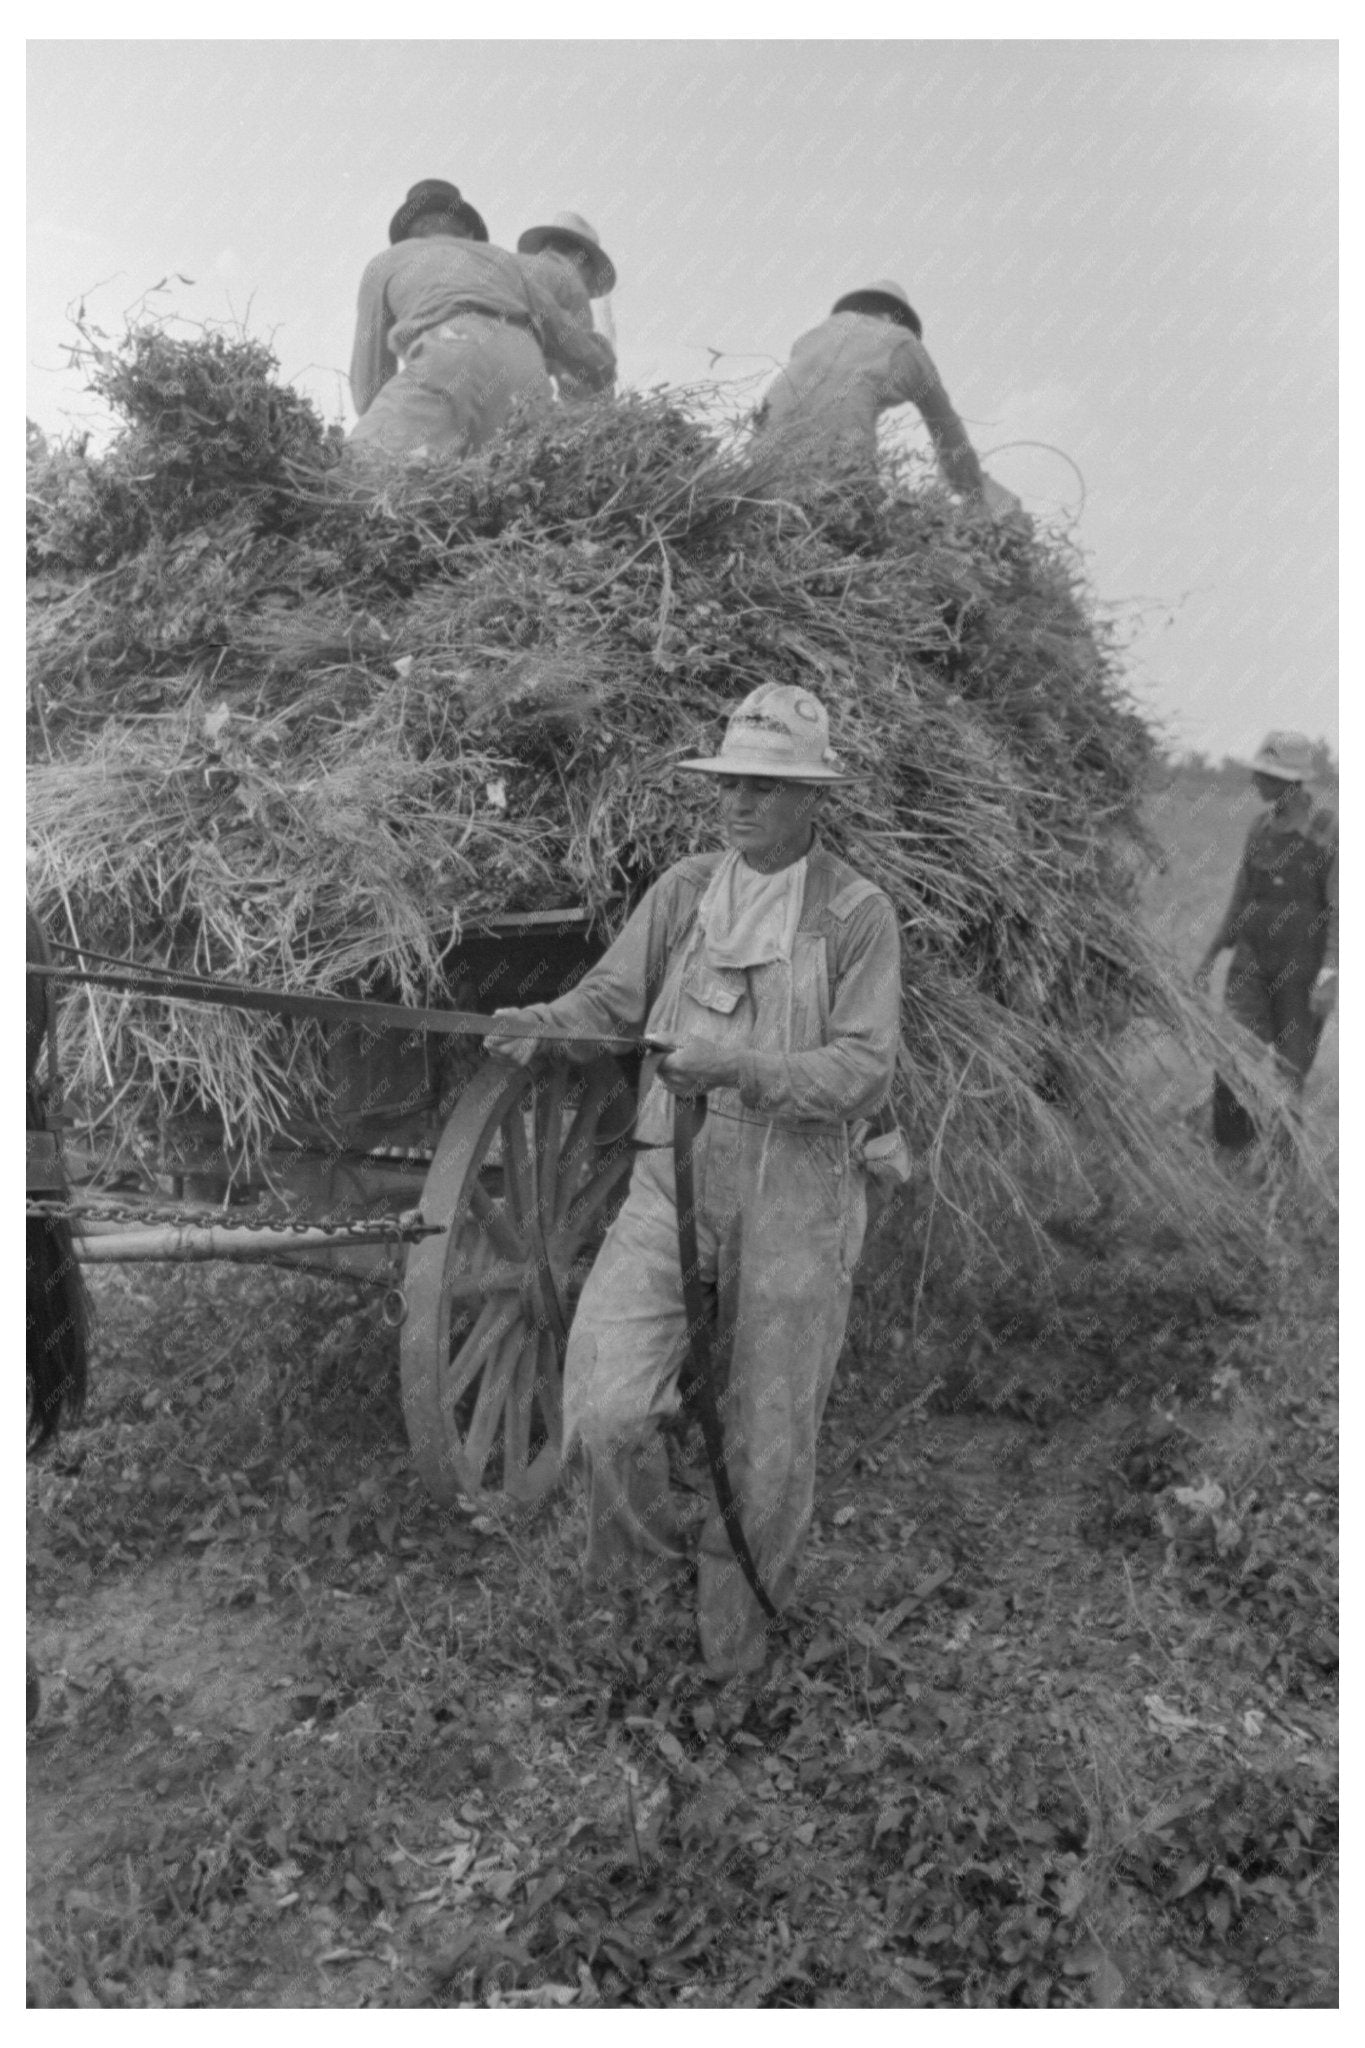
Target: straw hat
x=885 y=296
x=434 y=195
x=1287 y=755
x=779 y=731
x=571 y=227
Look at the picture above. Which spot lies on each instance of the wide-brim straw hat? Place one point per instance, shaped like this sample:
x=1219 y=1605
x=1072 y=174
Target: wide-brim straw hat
x=1287 y=755
x=571 y=227
x=779 y=731
x=885 y=296
x=435 y=195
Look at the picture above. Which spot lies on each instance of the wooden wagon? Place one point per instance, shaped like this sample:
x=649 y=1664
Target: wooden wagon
x=478 y=1196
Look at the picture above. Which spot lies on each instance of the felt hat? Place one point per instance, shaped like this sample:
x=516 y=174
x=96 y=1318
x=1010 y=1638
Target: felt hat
x=780 y=731
x=434 y=195
x=571 y=227
x=885 y=296
x=1287 y=755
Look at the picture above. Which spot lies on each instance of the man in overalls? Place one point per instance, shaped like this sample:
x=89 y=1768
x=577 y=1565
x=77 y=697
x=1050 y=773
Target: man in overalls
x=773 y=970
x=1282 y=927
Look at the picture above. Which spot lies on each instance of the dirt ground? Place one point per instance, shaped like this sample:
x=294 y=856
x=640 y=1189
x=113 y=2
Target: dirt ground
x=1052 y=1721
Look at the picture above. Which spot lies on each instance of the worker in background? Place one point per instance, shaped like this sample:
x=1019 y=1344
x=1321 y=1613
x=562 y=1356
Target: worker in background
x=1281 y=925
x=866 y=358
x=772 y=968
x=451 y=334
x=566 y=257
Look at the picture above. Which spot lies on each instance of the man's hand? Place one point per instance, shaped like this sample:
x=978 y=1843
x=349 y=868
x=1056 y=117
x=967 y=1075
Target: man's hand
x=519 y=1050
x=696 y=1066
x=1322 y=996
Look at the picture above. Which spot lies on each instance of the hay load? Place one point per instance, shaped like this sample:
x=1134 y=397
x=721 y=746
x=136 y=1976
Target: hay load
x=291 y=731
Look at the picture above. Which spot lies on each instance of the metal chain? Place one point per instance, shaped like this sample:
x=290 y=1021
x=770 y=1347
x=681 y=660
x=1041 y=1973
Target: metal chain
x=400 y=1227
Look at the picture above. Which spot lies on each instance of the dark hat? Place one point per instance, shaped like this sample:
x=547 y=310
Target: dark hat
x=885 y=296
x=434 y=195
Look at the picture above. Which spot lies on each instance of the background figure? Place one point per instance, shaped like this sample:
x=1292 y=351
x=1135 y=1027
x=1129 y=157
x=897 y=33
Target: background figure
x=450 y=334
x=865 y=359
x=567 y=259
x=1281 y=925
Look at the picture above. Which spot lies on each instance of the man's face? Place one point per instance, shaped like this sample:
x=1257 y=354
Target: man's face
x=765 y=819
x=1270 y=788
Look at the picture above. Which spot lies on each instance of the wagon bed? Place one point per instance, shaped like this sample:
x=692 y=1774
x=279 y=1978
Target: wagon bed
x=476 y=1191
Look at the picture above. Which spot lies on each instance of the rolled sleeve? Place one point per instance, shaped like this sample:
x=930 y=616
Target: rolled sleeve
x=371 y=362
x=581 y=353
x=616 y=994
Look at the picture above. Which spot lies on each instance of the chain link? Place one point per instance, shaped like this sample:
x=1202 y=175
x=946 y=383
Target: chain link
x=401 y=1228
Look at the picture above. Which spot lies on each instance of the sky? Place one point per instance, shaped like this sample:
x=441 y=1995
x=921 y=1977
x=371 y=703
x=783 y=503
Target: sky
x=1122 y=251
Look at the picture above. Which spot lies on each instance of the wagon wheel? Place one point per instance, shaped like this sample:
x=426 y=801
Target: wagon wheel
x=528 y=1172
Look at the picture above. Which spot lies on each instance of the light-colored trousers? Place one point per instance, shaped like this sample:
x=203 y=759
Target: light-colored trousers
x=455 y=390
x=780 y=1222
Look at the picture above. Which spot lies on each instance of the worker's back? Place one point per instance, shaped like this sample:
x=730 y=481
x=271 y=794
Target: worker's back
x=420 y=282
x=841 y=376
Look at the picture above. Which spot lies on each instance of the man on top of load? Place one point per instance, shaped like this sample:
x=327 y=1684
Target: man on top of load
x=451 y=333
x=1281 y=925
x=864 y=359
x=566 y=257
x=773 y=971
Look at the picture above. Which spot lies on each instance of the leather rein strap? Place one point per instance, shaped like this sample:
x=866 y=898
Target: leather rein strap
x=699 y=1383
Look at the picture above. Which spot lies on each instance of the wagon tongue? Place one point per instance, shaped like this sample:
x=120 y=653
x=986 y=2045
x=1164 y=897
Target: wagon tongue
x=130 y=978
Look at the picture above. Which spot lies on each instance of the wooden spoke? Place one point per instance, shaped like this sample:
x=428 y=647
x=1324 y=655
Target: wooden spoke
x=495 y=1320
x=519 y=1172
x=549 y=1134
x=492 y=1398
x=577 y=1152
x=516 y=1421
x=508 y=1243
x=550 y=1389
x=609 y=1181
x=498 y=1276
x=522 y=1189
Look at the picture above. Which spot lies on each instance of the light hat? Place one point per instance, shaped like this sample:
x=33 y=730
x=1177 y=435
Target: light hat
x=779 y=731
x=435 y=195
x=885 y=296
x=571 y=227
x=1288 y=755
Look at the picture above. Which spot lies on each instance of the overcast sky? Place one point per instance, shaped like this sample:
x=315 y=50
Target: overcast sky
x=1125 y=250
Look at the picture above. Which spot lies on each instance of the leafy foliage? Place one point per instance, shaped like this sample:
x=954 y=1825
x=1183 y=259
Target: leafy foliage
x=374 y=1753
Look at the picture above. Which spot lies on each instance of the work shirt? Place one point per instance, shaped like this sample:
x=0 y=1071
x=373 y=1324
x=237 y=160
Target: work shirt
x=1284 y=900
x=562 y=279
x=421 y=283
x=815 y=1036
x=843 y=375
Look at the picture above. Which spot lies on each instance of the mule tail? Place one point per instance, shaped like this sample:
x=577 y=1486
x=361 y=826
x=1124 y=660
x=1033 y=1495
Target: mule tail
x=58 y=1329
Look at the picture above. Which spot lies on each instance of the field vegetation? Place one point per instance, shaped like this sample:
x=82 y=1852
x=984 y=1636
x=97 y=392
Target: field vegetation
x=1052 y=1721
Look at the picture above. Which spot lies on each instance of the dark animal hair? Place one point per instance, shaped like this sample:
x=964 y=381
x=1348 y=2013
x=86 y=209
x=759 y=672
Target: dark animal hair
x=56 y=1311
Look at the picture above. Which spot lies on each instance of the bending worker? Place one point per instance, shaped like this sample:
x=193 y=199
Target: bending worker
x=566 y=257
x=866 y=358
x=1281 y=925
x=451 y=333
x=773 y=970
